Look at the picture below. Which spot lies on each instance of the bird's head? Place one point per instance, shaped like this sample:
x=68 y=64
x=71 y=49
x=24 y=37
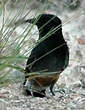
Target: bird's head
x=46 y=21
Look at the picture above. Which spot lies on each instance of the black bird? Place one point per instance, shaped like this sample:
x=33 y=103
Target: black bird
x=51 y=56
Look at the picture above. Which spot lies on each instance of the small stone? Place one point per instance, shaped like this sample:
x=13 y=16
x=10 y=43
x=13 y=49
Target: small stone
x=81 y=41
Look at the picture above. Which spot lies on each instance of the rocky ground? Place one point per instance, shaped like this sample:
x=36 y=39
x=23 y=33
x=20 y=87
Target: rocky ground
x=12 y=98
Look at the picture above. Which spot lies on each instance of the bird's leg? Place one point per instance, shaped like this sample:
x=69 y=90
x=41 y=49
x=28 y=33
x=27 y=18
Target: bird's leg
x=51 y=89
x=27 y=87
x=31 y=91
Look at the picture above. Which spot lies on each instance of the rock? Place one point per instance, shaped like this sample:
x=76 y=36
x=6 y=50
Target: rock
x=3 y=105
x=81 y=40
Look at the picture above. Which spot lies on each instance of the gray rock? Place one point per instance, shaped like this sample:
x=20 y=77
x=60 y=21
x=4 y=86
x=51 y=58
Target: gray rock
x=3 y=105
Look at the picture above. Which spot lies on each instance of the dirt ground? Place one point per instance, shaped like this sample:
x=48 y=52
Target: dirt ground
x=70 y=88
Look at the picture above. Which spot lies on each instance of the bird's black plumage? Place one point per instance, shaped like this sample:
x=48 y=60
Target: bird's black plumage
x=51 y=55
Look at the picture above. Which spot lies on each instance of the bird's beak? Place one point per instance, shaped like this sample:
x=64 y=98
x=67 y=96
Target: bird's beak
x=30 y=20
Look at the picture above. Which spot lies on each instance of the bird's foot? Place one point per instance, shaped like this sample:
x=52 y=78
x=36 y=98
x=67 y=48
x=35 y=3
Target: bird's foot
x=61 y=91
x=26 y=92
x=39 y=94
x=51 y=90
